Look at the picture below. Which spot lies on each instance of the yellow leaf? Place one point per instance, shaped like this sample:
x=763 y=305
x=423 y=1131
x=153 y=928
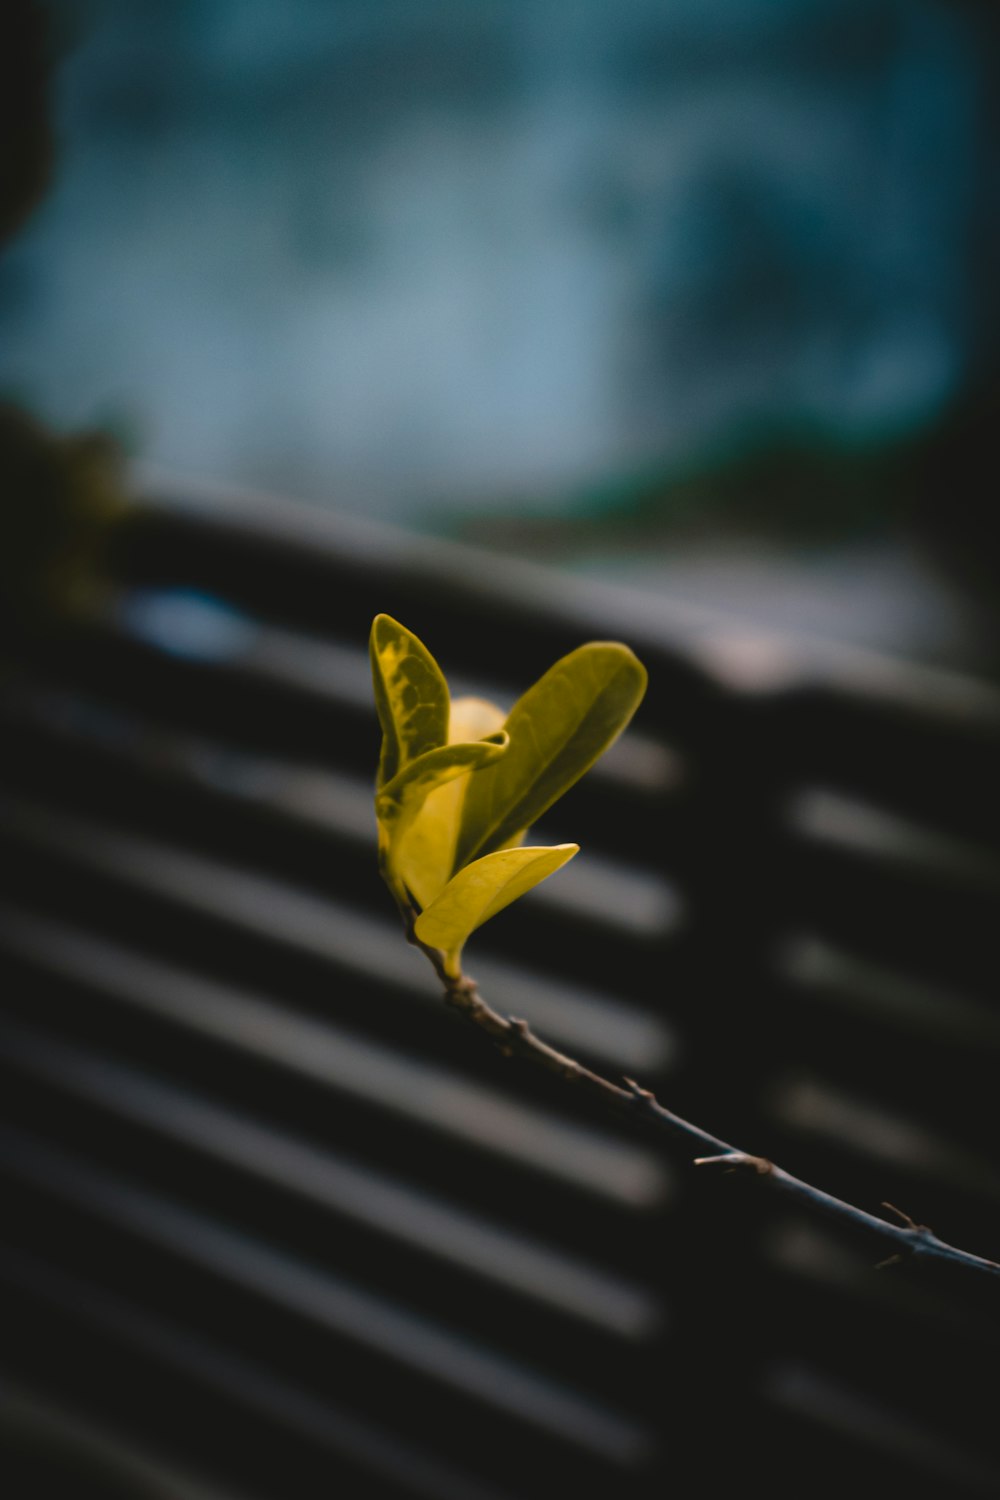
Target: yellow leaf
x=398 y=804
x=411 y=696
x=482 y=889
x=557 y=730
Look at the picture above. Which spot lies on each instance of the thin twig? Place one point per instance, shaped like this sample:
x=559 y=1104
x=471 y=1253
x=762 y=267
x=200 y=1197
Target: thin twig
x=905 y=1241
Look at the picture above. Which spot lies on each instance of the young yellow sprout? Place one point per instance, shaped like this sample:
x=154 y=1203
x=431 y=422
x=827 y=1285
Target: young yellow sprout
x=459 y=784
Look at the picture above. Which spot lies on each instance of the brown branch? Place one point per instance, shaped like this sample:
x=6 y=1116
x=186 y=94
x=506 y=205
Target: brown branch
x=905 y=1241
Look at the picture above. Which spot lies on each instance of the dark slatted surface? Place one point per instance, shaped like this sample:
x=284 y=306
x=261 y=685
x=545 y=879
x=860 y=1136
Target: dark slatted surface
x=277 y=1226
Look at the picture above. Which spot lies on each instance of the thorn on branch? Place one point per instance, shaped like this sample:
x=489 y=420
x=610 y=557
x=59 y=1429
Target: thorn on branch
x=737 y=1161
x=518 y=1030
x=920 y=1230
x=905 y=1219
x=641 y=1095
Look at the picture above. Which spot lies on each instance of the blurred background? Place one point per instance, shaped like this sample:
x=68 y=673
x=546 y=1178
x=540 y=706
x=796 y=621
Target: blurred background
x=527 y=323
x=678 y=293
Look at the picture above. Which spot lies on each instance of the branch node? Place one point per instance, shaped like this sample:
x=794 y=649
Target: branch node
x=639 y=1094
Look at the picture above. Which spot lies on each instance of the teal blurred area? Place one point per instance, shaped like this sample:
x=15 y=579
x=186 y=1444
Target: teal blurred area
x=610 y=283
